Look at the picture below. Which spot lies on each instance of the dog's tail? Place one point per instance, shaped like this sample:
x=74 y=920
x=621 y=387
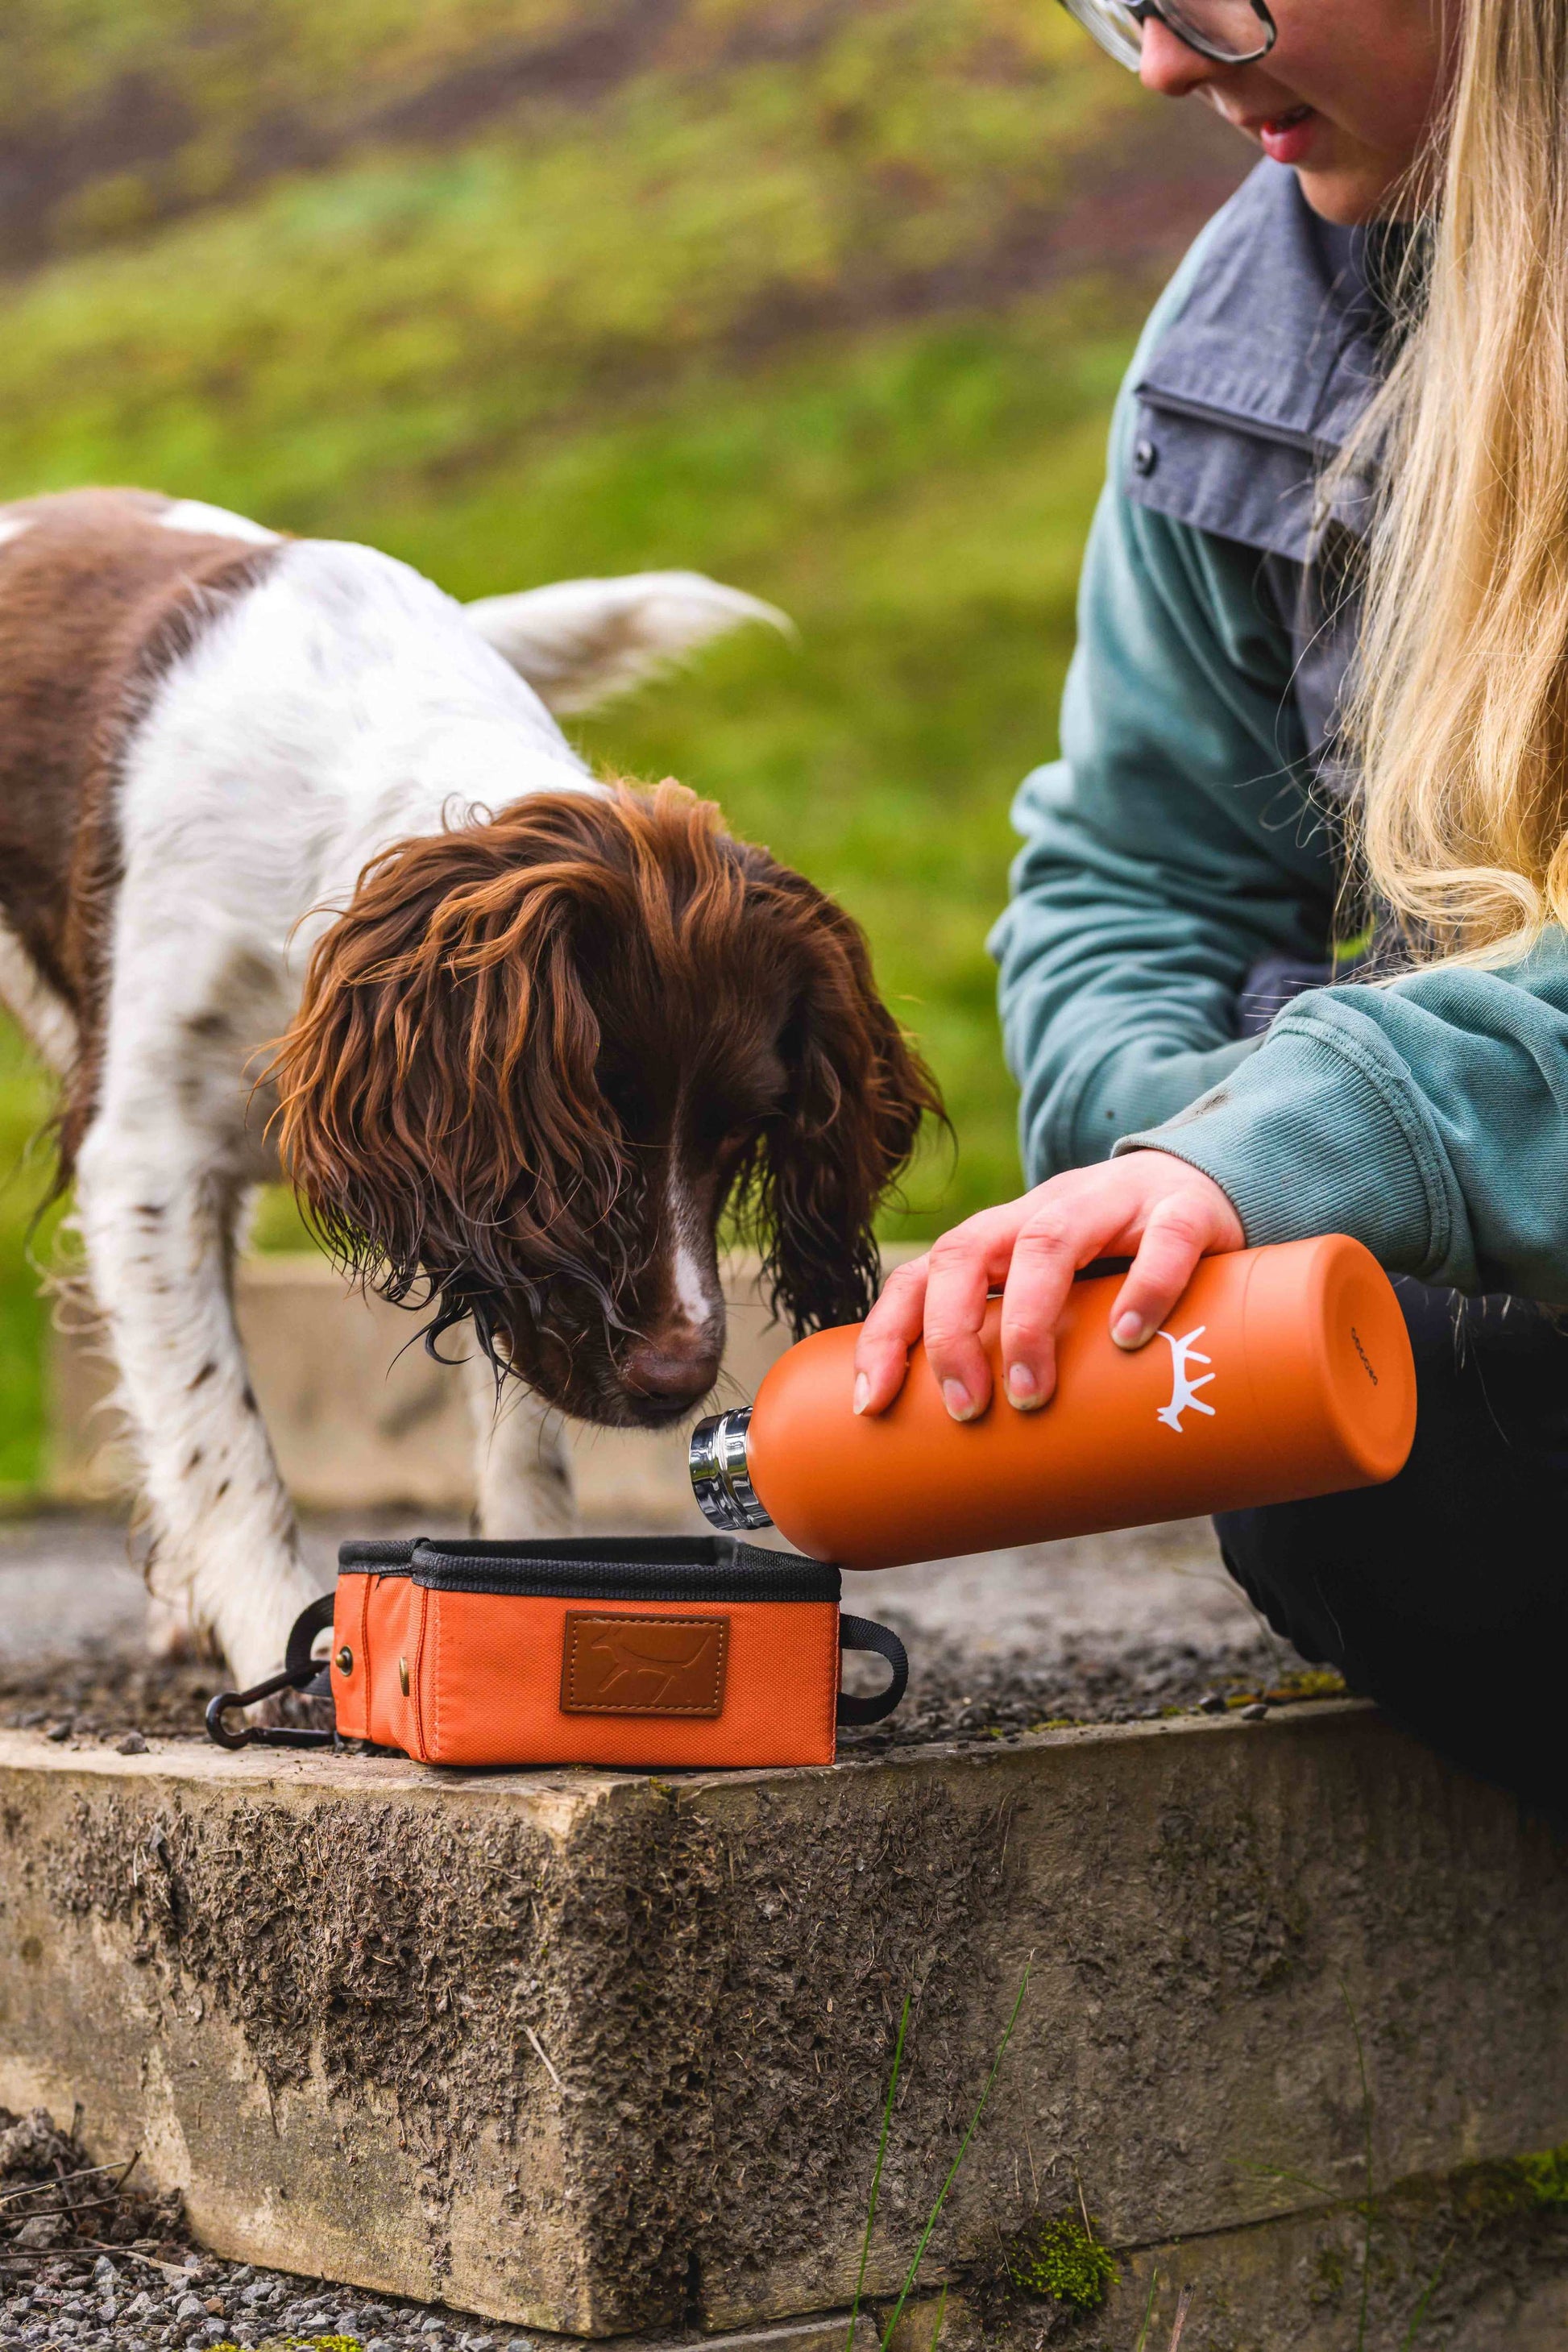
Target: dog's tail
x=582 y=642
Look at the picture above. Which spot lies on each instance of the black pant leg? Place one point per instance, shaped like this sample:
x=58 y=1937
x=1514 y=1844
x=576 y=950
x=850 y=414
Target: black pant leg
x=1444 y=1595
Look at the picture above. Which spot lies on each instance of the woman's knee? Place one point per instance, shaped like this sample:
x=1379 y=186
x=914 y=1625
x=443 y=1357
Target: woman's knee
x=1450 y=1550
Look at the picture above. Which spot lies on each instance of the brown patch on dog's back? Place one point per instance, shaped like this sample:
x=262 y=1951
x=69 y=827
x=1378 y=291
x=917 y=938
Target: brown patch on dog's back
x=97 y=600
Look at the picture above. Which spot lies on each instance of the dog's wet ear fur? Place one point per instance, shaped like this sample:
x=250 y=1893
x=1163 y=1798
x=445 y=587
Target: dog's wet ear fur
x=582 y=642
x=440 y=1113
x=855 y=1099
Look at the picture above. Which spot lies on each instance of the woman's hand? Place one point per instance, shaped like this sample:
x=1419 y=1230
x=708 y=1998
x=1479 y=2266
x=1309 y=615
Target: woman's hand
x=1146 y=1206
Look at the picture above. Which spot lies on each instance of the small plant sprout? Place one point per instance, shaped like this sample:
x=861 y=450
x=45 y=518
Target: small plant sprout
x=1371 y=2187
x=912 y=2274
x=913 y=2271
x=1407 y=2341
x=1142 y=2343
x=877 y=2172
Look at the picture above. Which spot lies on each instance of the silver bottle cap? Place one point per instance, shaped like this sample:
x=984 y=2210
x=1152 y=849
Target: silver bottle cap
x=725 y=1495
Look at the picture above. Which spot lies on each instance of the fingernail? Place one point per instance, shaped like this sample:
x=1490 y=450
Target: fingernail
x=1023 y=1388
x=958 y=1401
x=862 y=1393
x=1130 y=1330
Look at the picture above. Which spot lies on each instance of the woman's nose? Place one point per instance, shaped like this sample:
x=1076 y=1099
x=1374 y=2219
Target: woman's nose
x=1169 y=67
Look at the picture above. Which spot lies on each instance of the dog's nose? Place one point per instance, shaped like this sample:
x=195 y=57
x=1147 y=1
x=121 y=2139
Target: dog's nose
x=672 y=1372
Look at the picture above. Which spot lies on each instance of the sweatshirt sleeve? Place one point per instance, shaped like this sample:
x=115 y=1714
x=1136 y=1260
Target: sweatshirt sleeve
x=1173 y=847
x=1428 y=1119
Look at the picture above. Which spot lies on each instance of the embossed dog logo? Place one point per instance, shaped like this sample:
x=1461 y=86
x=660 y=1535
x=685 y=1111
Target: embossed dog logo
x=1183 y=1387
x=615 y=1665
x=646 y=1677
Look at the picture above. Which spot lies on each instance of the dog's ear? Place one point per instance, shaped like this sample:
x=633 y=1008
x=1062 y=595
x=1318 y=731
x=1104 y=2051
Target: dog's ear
x=855 y=1099
x=582 y=642
x=439 y=1109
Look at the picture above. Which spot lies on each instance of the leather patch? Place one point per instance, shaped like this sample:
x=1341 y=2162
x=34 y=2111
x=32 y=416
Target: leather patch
x=613 y=1665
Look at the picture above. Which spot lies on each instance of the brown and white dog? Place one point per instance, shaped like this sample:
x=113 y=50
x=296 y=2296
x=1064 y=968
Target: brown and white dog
x=283 y=807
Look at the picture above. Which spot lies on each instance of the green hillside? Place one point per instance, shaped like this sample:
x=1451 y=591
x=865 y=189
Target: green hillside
x=826 y=296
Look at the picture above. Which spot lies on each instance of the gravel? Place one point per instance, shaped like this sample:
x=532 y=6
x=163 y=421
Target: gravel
x=120 y=2271
x=59 y=2304
x=1119 y=1628
x=955 y=1693
x=973 y=1700
x=107 y=1696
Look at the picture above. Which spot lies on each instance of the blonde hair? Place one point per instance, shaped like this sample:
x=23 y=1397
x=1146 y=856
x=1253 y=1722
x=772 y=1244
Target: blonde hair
x=1459 y=721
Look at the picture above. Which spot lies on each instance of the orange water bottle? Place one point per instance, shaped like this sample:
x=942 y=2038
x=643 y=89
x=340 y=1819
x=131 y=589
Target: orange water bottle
x=1283 y=1372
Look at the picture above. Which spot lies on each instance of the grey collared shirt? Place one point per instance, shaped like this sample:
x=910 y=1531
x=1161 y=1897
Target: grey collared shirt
x=1249 y=395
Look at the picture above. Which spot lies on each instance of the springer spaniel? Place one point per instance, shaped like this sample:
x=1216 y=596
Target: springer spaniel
x=281 y=808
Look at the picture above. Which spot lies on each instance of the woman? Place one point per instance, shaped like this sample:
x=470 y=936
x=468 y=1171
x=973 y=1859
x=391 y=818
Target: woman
x=1323 y=652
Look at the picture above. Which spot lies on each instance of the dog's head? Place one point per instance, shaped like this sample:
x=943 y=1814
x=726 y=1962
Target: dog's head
x=538 y=1055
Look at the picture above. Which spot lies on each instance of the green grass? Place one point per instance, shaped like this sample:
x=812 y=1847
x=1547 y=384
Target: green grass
x=718 y=318
x=748 y=144
x=24 y=1101
x=917 y=503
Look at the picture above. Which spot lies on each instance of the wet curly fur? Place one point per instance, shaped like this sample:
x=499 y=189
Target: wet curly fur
x=515 y=1026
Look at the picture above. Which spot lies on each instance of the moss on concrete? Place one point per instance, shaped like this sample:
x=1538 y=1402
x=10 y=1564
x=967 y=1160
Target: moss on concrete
x=1544 y=2179
x=1060 y=2262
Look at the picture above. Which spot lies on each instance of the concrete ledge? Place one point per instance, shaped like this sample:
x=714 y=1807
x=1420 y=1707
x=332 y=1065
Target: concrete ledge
x=603 y=2053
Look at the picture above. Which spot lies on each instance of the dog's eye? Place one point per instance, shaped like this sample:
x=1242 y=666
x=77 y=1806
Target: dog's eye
x=737 y=1145
x=721 y=1130
x=629 y=1098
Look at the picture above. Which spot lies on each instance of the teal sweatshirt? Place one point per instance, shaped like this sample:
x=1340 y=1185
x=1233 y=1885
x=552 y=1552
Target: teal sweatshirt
x=1172 y=848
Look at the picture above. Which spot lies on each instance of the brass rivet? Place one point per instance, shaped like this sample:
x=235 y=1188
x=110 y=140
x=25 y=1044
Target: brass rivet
x=403 y=1676
x=345 y=1660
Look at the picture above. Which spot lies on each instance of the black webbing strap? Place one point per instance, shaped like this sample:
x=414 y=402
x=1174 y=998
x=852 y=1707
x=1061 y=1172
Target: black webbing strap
x=864 y=1633
x=300 y=1672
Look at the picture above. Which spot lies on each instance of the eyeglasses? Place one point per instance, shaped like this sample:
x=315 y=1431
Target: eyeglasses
x=1231 y=31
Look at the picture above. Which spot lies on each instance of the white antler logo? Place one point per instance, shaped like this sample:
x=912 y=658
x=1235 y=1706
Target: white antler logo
x=1183 y=1387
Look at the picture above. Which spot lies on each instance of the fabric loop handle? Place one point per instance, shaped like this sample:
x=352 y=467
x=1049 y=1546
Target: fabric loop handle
x=864 y=1633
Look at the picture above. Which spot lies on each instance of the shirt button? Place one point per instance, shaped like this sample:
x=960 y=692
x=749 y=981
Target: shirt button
x=1146 y=458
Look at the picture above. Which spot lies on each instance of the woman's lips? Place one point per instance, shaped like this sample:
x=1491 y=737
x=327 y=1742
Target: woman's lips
x=1288 y=138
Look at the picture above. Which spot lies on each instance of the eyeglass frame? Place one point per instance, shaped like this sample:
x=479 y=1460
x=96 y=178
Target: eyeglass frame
x=1141 y=10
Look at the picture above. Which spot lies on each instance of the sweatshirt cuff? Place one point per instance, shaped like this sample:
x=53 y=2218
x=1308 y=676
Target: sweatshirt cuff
x=1311 y=1135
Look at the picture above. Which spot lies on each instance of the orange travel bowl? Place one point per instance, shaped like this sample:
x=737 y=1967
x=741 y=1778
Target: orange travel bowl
x=683 y=1651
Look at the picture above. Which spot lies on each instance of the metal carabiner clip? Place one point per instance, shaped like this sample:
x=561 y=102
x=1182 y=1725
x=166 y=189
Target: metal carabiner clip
x=301 y=1673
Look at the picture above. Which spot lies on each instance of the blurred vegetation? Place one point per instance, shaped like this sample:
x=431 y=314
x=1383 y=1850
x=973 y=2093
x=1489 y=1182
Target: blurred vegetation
x=829 y=297
x=25 y=1182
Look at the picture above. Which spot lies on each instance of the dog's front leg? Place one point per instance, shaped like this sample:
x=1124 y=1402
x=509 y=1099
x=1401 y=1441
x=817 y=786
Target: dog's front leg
x=159 y=1226
x=522 y=1468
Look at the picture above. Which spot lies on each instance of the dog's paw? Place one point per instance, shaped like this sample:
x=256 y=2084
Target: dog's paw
x=173 y=1633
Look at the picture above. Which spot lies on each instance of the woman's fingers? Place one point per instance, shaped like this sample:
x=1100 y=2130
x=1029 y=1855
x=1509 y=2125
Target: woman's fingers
x=940 y=1297
x=1168 y=1212
x=1045 y=1260
x=964 y=1265
x=1179 y=1229
x=889 y=1333
x=1073 y=1220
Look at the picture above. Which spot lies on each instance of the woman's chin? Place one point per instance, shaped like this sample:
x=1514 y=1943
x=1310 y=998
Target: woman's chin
x=1351 y=193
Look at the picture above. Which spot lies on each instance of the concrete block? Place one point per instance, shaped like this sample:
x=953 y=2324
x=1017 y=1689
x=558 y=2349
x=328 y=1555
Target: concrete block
x=363 y=1419
x=1466 y=2262
x=602 y=2052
